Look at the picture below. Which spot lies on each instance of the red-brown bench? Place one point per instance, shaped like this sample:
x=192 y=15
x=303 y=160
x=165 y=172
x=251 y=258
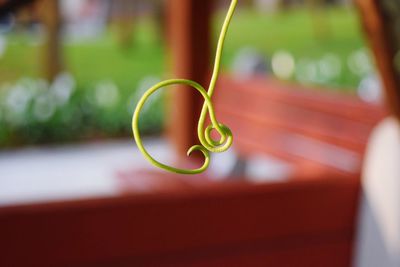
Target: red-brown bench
x=317 y=130
x=300 y=223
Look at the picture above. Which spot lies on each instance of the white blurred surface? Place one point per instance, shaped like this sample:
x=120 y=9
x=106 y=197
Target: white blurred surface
x=59 y=173
x=43 y=174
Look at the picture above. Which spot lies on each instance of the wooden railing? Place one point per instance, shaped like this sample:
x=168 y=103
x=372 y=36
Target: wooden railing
x=317 y=130
x=383 y=36
x=299 y=223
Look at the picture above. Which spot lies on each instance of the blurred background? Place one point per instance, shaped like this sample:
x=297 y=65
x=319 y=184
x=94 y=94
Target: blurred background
x=72 y=71
x=298 y=87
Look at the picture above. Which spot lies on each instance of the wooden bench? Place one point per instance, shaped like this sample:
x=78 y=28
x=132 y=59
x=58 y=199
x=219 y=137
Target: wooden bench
x=301 y=223
x=316 y=130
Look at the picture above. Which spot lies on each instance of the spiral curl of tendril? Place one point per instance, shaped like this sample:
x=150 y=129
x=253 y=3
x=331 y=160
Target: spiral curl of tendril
x=207 y=143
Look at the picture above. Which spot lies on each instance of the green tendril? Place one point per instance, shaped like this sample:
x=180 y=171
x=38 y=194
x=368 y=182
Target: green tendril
x=207 y=143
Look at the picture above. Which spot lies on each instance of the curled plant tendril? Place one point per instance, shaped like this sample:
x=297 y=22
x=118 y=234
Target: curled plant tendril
x=207 y=143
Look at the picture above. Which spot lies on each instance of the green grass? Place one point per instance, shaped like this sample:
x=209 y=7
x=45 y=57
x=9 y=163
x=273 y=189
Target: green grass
x=106 y=59
x=296 y=31
x=90 y=61
x=103 y=58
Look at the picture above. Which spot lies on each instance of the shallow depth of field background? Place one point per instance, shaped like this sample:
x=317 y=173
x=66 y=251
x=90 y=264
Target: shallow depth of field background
x=106 y=66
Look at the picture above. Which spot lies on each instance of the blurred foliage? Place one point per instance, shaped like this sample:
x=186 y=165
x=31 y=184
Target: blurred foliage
x=104 y=82
x=106 y=79
x=32 y=112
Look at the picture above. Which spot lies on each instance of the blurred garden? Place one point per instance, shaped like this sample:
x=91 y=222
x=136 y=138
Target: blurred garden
x=103 y=76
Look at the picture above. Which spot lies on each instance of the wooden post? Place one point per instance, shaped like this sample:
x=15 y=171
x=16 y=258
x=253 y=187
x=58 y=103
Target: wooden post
x=125 y=19
x=189 y=30
x=320 y=22
x=381 y=35
x=51 y=18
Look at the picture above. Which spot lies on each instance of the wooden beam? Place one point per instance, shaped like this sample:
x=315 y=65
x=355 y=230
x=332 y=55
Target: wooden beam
x=125 y=20
x=381 y=36
x=189 y=30
x=52 y=51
